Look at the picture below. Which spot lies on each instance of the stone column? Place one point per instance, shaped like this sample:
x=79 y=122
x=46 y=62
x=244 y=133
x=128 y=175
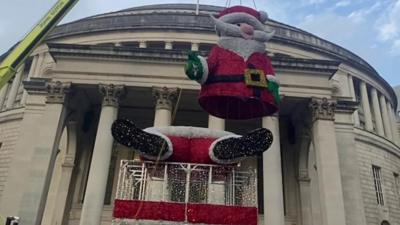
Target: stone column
x=377 y=112
x=56 y=210
x=30 y=75
x=385 y=117
x=195 y=47
x=351 y=181
x=92 y=208
x=393 y=123
x=38 y=64
x=216 y=123
x=14 y=88
x=3 y=95
x=35 y=152
x=327 y=160
x=68 y=164
x=304 y=180
x=165 y=102
x=353 y=96
x=272 y=171
x=366 y=108
x=216 y=190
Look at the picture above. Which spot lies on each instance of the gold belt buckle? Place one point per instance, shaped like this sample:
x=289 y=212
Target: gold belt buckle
x=255 y=77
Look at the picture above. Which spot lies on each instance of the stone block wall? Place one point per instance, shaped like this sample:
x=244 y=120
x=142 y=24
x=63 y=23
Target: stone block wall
x=9 y=132
x=369 y=155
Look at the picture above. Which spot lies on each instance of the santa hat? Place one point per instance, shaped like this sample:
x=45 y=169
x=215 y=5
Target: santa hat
x=259 y=15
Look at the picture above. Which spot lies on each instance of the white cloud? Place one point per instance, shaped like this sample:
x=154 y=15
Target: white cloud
x=388 y=25
x=388 y=31
x=315 y=2
x=338 y=31
x=343 y=3
x=364 y=14
x=395 y=49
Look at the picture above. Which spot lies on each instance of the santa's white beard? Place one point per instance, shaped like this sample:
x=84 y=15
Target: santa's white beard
x=244 y=48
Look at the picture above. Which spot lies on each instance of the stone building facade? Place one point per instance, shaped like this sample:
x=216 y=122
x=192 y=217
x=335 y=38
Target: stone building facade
x=336 y=158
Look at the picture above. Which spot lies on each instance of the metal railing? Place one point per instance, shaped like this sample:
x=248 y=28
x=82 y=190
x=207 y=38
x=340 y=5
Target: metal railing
x=187 y=183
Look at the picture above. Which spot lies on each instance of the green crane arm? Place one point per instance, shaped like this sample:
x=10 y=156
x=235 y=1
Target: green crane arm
x=18 y=55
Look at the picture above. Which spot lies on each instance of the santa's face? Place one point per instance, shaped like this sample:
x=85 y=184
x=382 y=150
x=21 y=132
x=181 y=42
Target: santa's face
x=242 y=25
x=246 y=30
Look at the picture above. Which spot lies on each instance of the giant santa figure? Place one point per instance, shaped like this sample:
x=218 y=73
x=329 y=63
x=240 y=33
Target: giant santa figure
x=237 y=82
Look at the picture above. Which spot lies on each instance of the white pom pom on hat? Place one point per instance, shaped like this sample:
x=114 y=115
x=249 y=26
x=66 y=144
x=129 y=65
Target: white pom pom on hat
x=263 y=16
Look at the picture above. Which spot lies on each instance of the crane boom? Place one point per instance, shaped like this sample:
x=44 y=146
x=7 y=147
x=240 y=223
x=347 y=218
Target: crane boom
x=18 y=55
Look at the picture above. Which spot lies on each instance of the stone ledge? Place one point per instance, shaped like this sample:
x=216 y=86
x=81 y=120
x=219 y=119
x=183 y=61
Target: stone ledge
x=56 y=50
x=377 y=141
x=12 y=114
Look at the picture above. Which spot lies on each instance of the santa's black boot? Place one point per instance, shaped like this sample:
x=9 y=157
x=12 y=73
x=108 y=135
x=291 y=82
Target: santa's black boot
x=150 y=145
x=233 y=149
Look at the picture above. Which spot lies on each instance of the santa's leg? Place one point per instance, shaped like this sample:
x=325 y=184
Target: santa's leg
x=228 y=150
x=153 y=146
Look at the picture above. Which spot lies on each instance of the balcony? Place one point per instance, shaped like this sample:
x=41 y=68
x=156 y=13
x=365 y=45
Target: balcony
x=182 y=193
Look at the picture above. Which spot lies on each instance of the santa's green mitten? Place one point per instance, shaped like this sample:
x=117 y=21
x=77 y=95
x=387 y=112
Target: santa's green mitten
x=193 y=67
x=273 y=87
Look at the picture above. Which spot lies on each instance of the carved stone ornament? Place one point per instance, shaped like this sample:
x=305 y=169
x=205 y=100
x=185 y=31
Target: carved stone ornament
x=111 y=93
x=322 y=109
x=165 y=97
x=56 y=92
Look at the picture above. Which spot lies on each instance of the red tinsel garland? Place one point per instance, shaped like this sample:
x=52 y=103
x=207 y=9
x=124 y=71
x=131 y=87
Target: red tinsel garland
x=196 y=213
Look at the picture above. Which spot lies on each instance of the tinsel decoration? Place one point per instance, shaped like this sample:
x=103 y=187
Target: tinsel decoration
x=253 y=143
x=126 y=133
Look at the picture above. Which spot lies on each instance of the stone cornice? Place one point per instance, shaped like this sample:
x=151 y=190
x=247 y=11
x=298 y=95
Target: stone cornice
x=36 y=85
x=327 y=66
x=348 y=106
x=12 y=114
x=57 y=50
x=379 y=142
x=74 y=50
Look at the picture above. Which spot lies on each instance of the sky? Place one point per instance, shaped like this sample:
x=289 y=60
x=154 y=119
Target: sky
x=368 y=28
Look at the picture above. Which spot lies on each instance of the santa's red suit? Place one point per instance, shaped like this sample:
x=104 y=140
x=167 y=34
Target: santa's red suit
x=225 y=93
x=190 y=144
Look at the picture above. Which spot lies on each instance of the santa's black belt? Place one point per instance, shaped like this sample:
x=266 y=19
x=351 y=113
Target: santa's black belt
x=225 y=79
x=252 y=78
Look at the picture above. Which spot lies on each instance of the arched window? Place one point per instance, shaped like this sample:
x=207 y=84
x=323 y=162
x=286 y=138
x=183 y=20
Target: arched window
x=385 y=223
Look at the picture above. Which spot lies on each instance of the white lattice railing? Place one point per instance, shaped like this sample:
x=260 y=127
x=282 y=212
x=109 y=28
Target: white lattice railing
x=186 y=183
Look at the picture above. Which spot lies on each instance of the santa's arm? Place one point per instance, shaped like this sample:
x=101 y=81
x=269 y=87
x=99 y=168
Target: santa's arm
x=198 y=68
x=273 y=82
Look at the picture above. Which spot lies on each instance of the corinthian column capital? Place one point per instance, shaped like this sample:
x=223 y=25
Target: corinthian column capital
x=57 y=91
x=111 y=93
x=165 y=97
x=322 y=109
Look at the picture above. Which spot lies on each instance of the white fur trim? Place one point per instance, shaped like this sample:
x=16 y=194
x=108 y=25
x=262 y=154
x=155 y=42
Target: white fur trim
x=211 y=150
x=240 y=17
x=242 y=47
x=166 y=155
x=205 y=70
x=273 y=79
x=190 y=132
x=263 y=16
